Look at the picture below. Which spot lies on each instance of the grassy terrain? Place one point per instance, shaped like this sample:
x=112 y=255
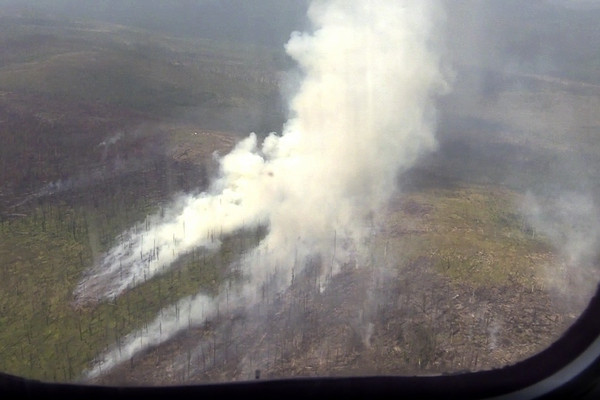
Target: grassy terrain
x=43 y=334
x=64 y=89
x=65 y=194
x=114 y=68
x=454 y=283
x=472 y=234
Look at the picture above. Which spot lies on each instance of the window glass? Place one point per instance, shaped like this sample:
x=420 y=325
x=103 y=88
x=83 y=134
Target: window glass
x=214 y=191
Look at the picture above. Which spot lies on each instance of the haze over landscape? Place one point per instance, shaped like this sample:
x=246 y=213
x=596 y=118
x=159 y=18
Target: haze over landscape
x=194 y=192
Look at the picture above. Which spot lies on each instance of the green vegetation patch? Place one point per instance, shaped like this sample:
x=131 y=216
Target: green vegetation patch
x=133 y=69
x=43 y=333
x=471 y=234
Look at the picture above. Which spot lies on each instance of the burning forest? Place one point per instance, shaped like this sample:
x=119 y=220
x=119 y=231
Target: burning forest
x=364 y=200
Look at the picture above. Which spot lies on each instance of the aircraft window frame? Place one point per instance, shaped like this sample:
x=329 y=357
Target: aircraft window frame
x=569 y=368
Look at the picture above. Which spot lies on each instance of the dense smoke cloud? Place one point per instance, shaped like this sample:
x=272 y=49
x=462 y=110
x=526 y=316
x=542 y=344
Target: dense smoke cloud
x=362 y=114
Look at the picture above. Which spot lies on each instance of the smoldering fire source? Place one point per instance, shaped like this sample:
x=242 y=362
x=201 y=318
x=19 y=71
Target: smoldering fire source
x=362 y=114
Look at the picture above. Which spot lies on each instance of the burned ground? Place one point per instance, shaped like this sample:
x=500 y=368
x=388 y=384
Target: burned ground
x=462 y=285
x=410 y=318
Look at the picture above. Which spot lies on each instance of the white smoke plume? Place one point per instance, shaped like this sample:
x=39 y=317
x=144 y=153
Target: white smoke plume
x=363 y=113
x=570 y=222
